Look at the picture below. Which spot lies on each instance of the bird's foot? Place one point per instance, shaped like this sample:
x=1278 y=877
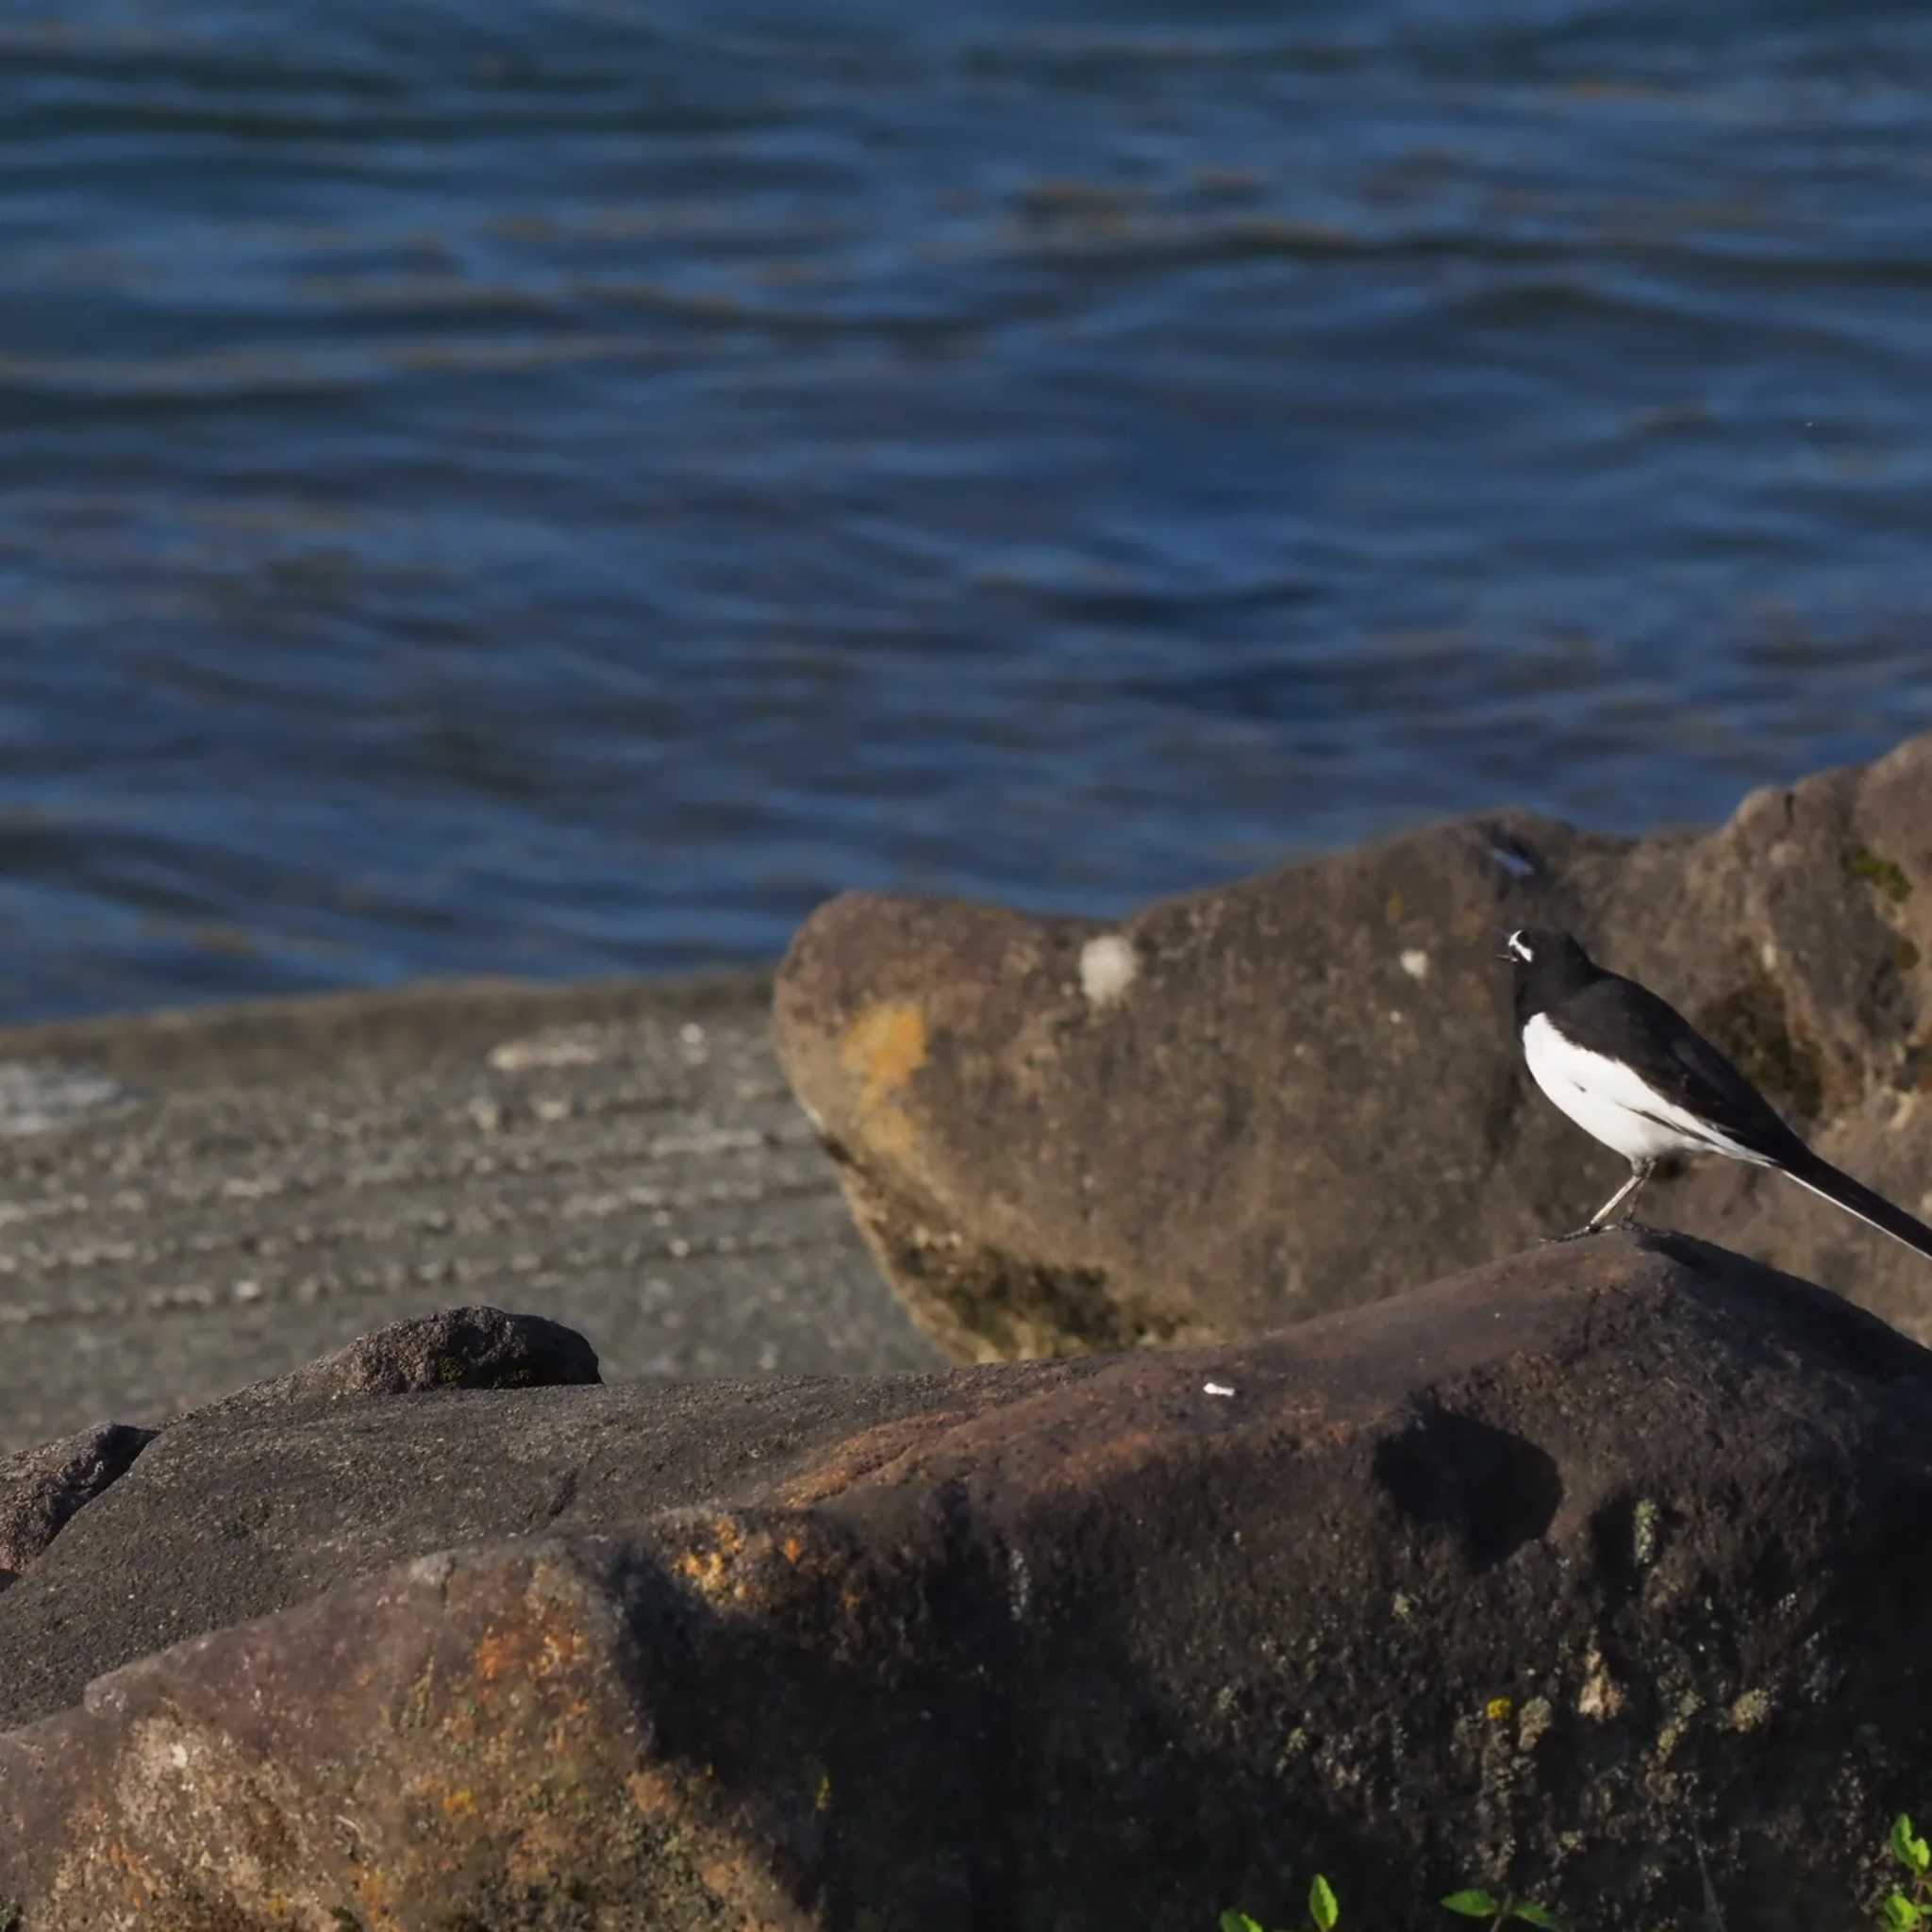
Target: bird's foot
x=1576 y=1234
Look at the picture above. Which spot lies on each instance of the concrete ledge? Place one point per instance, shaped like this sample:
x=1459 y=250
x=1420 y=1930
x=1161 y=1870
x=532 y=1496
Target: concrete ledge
x=194 y=1200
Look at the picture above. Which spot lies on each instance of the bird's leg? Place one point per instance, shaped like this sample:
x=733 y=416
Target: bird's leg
x=1640 y=1171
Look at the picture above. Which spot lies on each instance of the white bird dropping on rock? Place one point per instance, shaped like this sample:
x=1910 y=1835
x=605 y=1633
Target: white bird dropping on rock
x=1107 y=967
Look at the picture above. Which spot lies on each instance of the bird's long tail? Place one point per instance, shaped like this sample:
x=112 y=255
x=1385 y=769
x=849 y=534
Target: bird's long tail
x=1842 y=1190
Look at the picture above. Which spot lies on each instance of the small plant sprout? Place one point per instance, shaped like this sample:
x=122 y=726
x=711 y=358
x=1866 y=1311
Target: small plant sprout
x=1322 y=1910
x=1902 y=1910
x=1325 y=1913
x=1476 y=1904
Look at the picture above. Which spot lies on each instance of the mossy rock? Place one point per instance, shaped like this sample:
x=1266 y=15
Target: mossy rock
x=1751 y=1026
x=1885 y=875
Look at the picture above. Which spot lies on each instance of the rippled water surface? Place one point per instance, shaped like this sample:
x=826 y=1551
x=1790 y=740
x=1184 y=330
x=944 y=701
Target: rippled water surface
x=560 y=489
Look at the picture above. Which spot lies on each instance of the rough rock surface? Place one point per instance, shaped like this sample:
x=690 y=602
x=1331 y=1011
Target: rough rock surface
x=455 y=1348
x=1303 y=1091
x=42 y=1490
x=1525 y=1577
x=231 y=1514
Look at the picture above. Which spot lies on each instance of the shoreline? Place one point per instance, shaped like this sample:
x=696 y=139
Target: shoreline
x=193 y=1199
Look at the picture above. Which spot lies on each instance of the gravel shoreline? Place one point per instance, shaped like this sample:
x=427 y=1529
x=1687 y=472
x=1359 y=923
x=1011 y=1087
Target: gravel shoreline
x=190 y=1201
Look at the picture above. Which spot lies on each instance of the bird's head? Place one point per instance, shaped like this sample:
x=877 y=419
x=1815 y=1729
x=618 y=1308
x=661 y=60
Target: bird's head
x=1548 y=963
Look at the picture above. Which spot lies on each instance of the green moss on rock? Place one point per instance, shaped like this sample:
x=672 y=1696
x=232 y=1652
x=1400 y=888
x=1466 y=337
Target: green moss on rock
x=1750 y=1023
x=1886 y=874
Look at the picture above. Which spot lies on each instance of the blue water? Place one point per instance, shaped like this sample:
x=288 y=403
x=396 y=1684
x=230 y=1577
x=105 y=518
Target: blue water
x=563 y=489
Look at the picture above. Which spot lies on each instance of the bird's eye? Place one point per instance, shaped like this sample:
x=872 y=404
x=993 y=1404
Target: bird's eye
x=1517 y=947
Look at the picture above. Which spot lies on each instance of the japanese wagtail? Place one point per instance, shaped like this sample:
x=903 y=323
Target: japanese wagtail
x=1634 y=1072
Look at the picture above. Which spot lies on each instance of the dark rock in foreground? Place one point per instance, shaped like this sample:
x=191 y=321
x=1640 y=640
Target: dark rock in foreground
x=1526 y=1577
x=42 y=1490
x=1303 y=1091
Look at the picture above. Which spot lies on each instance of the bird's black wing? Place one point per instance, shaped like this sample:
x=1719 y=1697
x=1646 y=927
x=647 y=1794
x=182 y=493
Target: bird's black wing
x=1627 y=1022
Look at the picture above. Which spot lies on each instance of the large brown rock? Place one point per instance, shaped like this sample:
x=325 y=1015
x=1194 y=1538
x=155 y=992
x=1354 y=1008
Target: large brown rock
x=1542 y=1575
x=232 y=1513
x=1304 y=1092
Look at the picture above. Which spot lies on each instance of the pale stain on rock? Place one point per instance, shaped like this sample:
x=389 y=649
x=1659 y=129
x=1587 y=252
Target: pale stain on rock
x=1108 y=968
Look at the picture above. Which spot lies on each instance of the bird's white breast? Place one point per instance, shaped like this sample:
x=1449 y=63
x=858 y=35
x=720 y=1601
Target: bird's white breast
x=1610 y=1101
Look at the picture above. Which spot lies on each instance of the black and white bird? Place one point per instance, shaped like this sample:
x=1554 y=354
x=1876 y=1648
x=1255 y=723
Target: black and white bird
x=1634 y=1072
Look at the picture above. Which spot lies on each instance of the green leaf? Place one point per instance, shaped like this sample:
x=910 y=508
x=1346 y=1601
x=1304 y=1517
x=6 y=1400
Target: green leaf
x=1540 y=1916
x=1237 y=1922
x=1475 y=1904
x=1901 y=1914
x=1908 y=1847
x=1323 y=1907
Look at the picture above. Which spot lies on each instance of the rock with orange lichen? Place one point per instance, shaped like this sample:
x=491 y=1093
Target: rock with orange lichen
x=1302 y=1092
x=461 y=1734
x=1545 y=1576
